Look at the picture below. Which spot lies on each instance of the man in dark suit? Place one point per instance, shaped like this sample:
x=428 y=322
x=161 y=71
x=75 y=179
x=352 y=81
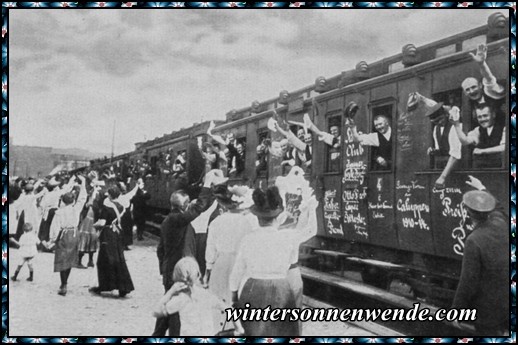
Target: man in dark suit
x=172 y=237
x=140 y=208
x=484 y=279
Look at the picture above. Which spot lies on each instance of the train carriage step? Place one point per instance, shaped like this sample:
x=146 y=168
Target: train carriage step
x=375 y=293
x=376 y=329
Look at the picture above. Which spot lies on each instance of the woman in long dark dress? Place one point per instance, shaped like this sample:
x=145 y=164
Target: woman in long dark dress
x=112 y=271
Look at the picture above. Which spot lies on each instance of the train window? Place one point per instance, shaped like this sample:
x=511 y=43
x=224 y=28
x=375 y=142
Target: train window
x=261 y=160
x=381 y=137
x=473 y=43
x=334 y=148
x=491 y=135
x=447 y=50
x=236 y=158
x=301 y=151
x=443 y=142
x=396 y=66
x=154 y=165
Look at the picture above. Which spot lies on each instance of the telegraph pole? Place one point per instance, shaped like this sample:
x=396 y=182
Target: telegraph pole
x=113 y=140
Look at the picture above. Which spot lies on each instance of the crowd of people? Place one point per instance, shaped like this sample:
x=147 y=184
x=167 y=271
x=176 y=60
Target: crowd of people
x=234 y=246
x=211 y=250
x=74 y=215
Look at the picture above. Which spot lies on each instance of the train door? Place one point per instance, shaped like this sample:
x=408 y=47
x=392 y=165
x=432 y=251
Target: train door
x=327 y=159
x=412 y=207
x=353 y=177
x=451 y=226
x=258 y=153
x=380 y=181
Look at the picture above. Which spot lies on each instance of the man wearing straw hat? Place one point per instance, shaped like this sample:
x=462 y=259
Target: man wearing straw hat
x=484 y=279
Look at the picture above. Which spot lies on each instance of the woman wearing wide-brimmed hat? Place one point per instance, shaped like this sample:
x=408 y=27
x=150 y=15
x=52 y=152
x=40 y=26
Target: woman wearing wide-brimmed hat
x=263 y=261
x=225 y=234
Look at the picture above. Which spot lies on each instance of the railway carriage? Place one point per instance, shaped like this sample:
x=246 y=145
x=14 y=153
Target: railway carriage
x=390 y=224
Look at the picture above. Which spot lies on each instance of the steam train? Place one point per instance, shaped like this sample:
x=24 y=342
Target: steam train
x=390 y=224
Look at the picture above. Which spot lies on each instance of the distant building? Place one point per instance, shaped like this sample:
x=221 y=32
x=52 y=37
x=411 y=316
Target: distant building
x=41 y=161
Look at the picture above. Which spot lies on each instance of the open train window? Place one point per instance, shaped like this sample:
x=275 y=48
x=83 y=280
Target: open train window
x=333 y=158
x=236 y=158
x=444 y=141
x=261 y=159
x=490 y=152
x=380 y=138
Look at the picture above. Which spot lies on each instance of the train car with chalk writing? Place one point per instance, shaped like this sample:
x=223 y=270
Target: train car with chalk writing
x=392 y=223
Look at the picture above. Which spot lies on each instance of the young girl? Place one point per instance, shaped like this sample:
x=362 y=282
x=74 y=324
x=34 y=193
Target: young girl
x=28 y=250
x=195 y=304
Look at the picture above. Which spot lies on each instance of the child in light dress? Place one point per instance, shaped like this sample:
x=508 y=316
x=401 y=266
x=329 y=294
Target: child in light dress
x=197 y=306
x=28 y=250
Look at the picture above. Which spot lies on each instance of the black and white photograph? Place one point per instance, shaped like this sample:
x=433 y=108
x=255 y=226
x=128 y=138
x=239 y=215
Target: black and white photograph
x=290 y=172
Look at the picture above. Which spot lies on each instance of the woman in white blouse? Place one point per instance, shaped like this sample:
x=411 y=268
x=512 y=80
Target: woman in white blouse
x=64 y=234
x=224 y=235
x=263 y=261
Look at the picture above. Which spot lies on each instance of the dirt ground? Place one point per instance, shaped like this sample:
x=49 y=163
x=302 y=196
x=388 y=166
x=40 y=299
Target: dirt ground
x=36 y=310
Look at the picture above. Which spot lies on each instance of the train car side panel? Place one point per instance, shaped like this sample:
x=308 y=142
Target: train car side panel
x=411 y=192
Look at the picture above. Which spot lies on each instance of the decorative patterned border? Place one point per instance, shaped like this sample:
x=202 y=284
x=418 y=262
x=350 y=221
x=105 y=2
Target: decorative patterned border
x=5 y=74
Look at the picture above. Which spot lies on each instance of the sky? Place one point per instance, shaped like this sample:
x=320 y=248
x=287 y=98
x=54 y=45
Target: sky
x=73 y=74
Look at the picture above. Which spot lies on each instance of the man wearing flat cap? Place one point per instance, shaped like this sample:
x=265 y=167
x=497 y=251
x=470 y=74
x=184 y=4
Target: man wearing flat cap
x=446 y=148
x=483 y=284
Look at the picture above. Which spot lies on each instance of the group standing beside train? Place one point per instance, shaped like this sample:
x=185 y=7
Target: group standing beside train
x=237 y=245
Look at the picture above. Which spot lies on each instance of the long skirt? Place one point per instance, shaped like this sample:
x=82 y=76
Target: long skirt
x=261 y=293
x=296 y=285
x=45 y=225
x=127 y=228
x=88 y=237
x=65 y=256
x=112 y=272
x=220 y=274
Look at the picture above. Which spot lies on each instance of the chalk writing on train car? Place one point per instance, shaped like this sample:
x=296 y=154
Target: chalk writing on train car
x=355 y=194
x=351 y=200
x=380 y=205
x=361 y=230
x=331 y=213
x=460 y=232
x=455 y=210
x=450 y=209
x=409 y=187
x=416 y=209
x=404 y=137
x=352 y=149
x=377 y=215
x=354 y=172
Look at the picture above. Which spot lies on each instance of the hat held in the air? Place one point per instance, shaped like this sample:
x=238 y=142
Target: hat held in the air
x=431 y=107
x=479 y=200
